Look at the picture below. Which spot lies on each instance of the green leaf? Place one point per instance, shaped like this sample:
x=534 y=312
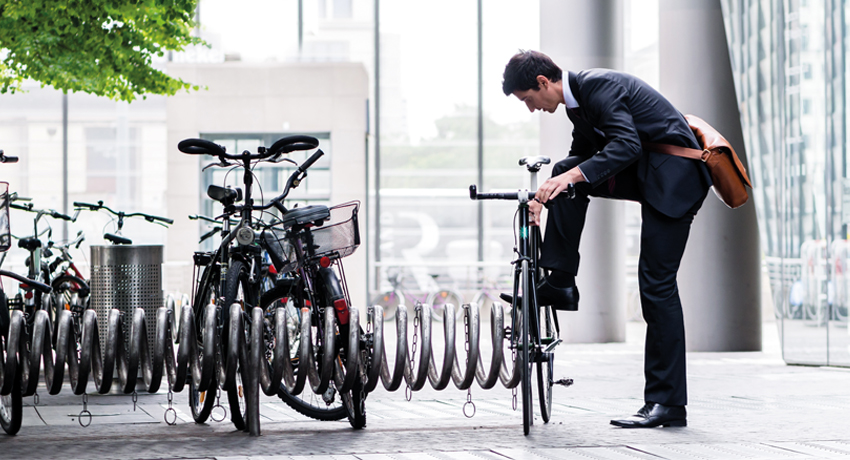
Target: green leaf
x=102 y=47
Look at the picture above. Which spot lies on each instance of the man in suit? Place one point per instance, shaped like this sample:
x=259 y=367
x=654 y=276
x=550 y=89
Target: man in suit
x=615 y=116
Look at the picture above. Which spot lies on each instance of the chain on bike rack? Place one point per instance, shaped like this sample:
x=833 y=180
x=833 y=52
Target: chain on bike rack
x=246 y=351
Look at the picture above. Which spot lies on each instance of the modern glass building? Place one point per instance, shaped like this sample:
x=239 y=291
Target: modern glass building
x=790 y=71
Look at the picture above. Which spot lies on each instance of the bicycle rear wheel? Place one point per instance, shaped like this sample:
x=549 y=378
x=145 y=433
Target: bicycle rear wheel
x=327 y=406
x=545 y=362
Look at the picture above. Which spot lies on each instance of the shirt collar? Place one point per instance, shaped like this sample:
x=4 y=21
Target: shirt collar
x=569 y=100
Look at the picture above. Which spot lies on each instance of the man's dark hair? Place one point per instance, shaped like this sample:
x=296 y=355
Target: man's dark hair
x=524 y=67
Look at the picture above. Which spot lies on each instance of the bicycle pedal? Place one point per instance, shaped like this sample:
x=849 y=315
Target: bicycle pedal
x=564 y=382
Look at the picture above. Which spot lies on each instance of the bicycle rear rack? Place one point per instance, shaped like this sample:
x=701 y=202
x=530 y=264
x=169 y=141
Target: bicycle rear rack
x=414 y=363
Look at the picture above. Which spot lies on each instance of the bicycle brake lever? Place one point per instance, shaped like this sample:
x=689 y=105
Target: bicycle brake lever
x=223 y=164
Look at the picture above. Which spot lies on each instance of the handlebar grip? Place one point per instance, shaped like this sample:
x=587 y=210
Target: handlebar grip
x=38 y=286
x=200 y=147
x=59 y=215
x=309 y=162
x=293 y=143
x=161 y=219
x=8 y=158
x=80 y=204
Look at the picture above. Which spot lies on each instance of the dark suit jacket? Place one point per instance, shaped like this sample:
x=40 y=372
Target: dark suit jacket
x=617 y=113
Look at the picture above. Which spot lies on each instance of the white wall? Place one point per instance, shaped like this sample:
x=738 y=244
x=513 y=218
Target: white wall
x=261 y=98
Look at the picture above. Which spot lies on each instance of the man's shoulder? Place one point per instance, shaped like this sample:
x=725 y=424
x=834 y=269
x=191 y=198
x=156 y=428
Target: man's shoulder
x=600 y=75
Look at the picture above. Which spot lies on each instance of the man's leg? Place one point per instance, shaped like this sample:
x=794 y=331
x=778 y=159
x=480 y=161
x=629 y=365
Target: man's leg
x=564 y=224
x=567 y=216
x=663 y=242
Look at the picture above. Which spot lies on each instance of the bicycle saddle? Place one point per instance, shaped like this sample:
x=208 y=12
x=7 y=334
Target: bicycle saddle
x=117 y=239
x=29 y=243
x=315 y=214
x=224 y=195
x=534 y=163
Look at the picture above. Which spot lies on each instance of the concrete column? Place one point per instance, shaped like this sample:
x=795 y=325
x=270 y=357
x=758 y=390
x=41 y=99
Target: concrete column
x=578 y=35
x=719 y=280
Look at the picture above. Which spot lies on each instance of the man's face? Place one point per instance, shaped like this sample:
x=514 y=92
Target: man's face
x=545 y=97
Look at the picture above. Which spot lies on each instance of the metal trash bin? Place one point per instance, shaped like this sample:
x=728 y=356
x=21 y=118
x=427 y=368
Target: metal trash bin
x=126 y=278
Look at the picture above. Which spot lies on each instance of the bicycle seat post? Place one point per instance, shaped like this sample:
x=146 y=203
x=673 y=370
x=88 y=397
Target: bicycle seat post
x=533 y=164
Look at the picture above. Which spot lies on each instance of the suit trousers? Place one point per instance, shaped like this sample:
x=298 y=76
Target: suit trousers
x=662 y=244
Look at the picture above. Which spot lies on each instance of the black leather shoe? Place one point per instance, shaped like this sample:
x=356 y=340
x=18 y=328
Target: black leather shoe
x=652 y=415
x=559 y=298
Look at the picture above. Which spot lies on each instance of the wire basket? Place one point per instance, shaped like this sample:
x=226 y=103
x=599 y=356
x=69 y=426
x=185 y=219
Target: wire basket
x=5 y=231
x=340 y=236
x=281 y=251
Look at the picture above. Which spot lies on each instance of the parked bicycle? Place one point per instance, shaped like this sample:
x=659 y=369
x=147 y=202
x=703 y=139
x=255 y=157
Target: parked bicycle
x=11 y=394
x=534 y=329
x=118 y=217
x=39 y=268
x=299 y=255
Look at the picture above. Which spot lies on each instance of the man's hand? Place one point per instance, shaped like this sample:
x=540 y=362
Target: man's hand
x=534 y=210
x=553 y=186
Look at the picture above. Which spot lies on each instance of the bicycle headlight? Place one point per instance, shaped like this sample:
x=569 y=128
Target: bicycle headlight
x=245 y=236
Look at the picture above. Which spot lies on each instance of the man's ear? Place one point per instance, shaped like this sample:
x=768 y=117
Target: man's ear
x=542 y=82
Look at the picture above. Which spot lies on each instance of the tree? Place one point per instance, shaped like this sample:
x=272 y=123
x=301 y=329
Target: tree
x=102 y=47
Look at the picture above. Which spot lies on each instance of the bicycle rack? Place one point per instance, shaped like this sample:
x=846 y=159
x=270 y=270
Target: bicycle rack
x=176 y=361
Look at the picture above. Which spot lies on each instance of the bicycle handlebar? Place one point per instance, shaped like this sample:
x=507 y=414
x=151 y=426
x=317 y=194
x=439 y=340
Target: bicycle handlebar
x=100 y=205
x=514 y=196
x=7 y=158
x=47 y=212
x=38 y=286
x=287 y=144
x=293 y=181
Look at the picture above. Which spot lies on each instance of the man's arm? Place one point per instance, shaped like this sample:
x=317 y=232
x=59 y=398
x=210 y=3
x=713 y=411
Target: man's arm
x=606 y=103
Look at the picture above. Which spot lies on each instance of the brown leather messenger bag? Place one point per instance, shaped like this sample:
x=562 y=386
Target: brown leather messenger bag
x=727 y=172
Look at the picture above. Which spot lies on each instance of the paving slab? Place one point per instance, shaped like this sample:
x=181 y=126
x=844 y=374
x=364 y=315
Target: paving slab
x=742 y=406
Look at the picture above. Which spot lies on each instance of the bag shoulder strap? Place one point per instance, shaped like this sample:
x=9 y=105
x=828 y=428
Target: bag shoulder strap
x=710 y=139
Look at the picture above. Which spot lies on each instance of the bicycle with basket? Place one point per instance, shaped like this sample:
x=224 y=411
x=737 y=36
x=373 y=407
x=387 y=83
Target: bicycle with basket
x=289 y=266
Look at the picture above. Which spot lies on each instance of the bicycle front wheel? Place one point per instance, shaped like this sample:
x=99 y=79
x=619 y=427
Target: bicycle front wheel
x=237 y=290
x=525 y=344
x=11 y=409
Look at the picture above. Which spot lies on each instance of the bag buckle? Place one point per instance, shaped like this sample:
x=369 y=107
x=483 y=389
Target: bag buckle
x=705 y=154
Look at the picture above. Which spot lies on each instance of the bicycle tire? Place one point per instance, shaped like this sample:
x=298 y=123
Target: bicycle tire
x=4 y=315
x=201 y=403
x=525 y=345
x=545 y=364
x=325 y=407
x=354 y=401
x=389 y=300
x=438 y=300
x=11 y=409
x=236 y=290
x=207 y=292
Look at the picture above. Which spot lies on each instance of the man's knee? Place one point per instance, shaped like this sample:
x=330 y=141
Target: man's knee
x=655 y=285
x=565 y=165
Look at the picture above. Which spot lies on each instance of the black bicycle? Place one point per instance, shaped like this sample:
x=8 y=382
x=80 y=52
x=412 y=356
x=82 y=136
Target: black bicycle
x=271 y=264
x=534 y=329
x=11 y=396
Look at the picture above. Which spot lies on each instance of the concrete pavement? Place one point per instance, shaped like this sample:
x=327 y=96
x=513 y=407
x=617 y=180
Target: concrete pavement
x=742 y=406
